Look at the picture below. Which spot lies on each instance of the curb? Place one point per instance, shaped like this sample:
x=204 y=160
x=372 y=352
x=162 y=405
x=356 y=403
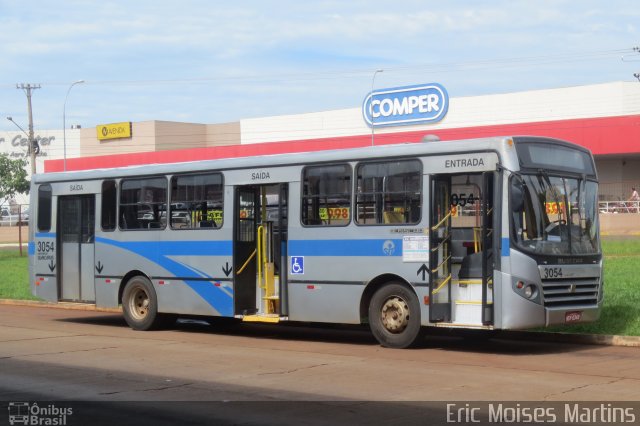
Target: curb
x=536 y=336
x=60 y=305
x=578 y=339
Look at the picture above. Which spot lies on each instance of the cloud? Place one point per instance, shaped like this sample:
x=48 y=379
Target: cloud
x=218 y=60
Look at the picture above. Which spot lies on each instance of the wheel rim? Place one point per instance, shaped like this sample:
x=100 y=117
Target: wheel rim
x=395 y=314
x=139 y=303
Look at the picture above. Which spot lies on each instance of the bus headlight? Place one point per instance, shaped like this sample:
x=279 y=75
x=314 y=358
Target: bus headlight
x=530 y=291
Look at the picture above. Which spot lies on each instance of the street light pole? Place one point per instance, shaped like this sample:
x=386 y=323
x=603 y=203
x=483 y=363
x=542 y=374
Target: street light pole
x=373 y=79
x=64 y=123
x=20 y=127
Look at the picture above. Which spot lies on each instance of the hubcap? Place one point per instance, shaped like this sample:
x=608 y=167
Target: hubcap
x=139 y=304
x=395 y=314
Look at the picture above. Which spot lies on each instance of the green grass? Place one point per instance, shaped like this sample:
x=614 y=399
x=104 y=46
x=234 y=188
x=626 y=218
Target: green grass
x=620 y=314
x=14 y=276
x=621 y=310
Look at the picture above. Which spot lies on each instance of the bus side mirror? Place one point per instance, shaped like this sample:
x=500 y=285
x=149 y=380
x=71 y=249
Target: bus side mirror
x=517 y=196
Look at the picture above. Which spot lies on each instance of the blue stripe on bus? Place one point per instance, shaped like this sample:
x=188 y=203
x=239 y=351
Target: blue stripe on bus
x=32 y=248
x=158 y=252
x=359 y=247
x=45 y=234
x=505 y=247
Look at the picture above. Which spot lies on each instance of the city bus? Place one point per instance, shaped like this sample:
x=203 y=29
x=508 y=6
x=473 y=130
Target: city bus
x=492 y=233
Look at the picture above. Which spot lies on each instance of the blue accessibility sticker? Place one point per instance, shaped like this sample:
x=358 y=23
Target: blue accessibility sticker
x=297 y=265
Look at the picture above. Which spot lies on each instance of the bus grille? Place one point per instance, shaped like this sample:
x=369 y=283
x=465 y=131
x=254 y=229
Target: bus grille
x=570 y=292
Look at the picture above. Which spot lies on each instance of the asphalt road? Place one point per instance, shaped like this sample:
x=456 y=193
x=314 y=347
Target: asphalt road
x=317 y=374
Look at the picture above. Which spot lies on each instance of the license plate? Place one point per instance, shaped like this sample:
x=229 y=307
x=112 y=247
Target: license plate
x=574 y=316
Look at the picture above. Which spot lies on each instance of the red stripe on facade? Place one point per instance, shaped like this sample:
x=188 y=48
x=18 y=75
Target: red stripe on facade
x=606 y=135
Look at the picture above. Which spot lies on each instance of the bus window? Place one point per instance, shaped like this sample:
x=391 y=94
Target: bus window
x=196 y=201
x=44 y=208
x=109 y=200
x=326 y=195
x=143 y=203
x=389 y=193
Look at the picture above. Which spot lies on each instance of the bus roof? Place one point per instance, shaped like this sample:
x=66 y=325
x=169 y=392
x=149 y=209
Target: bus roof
x=497 y=144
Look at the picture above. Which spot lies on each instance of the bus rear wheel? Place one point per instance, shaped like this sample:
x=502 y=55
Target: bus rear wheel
x=394 y=316
x=140 y=306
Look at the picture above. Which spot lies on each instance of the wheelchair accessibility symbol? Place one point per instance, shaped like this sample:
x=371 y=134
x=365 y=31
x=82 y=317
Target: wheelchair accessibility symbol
x=297 y=265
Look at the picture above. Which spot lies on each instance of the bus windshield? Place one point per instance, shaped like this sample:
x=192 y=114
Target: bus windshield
x=554 y=215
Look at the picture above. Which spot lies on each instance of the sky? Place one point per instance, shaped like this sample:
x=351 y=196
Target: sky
x=223 y=61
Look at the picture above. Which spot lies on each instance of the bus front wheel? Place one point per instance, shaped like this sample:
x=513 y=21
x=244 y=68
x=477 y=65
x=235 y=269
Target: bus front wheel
x=140 y=306
x=394 y=316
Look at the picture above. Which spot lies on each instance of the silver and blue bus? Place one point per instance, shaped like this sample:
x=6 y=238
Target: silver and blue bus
x=494 y=233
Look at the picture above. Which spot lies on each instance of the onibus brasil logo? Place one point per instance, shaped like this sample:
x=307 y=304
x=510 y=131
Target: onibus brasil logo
x=26 y=413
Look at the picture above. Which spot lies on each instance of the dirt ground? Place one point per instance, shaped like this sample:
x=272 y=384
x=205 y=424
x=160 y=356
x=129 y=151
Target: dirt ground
x=9 y=234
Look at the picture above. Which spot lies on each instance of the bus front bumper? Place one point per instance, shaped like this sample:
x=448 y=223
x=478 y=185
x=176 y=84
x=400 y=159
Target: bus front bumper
x=572 y=315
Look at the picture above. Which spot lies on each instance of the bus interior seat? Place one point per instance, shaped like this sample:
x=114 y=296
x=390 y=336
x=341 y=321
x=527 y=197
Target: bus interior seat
x=461 y=243
x=207 y=224
x=471 y=266
x=393 y=217
x=129 y=219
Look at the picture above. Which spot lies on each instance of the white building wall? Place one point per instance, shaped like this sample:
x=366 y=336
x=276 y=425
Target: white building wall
x=599 y=100
x=51 y=142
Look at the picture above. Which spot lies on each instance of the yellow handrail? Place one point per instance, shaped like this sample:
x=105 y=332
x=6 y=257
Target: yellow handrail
x=262 y=249
x=246 y=263
x=441 y=263
x=434 y=227
x=442 y=285
x=477 y=233
x=445 y=240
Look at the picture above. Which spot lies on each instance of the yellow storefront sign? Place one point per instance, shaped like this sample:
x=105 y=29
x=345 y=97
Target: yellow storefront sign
x=114 y=130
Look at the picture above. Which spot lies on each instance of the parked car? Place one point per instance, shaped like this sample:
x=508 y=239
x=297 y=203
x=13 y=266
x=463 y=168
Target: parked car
x=8 y=219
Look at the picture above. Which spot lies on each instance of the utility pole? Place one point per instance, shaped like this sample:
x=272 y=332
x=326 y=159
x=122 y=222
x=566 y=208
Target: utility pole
x=33 y=146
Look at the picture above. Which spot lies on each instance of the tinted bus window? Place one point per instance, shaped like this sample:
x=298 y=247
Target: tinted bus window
x=109 y=200
x=143 y=203
x=197 y=201
x=326 y=195
x=44 y=208
x=389 y=193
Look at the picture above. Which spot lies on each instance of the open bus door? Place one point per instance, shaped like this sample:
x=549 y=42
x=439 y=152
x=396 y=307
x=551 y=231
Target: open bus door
x=440 y=250
x=260 y=252
x=244 y=249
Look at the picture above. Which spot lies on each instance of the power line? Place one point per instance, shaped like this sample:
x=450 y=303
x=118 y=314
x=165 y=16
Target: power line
x=358 y=73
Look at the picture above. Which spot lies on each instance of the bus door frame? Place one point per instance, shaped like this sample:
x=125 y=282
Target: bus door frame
x=244 y=244
x=439 y=311
x=75 y=258
x=245 y=251
x=491 y=231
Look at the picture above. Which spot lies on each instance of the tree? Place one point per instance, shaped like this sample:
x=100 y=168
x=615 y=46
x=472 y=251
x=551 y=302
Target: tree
x=13 y=176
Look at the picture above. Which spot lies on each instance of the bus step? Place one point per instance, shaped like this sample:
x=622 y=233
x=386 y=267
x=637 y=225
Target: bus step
x=271 y=318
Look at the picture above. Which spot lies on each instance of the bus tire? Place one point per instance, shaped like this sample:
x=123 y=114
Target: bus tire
x=394 y=316
x=140 y=305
